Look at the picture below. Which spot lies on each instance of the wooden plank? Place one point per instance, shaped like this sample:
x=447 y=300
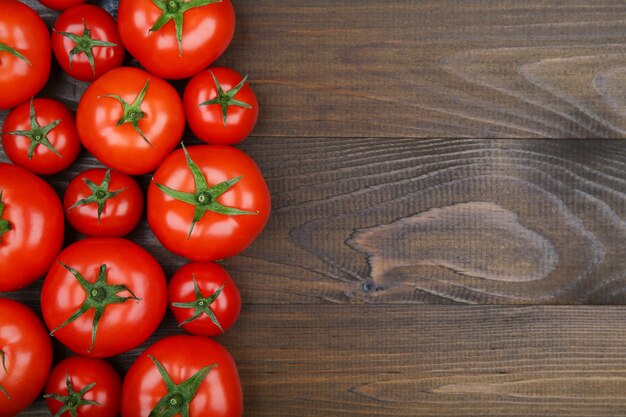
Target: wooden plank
x=447 y=361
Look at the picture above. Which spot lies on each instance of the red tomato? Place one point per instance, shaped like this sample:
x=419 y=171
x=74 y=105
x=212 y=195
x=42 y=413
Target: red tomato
x=25 y=357
x=83 y=387
x=176 y=50
x=204 y=299
x=24 y=53
x=85 y=42
x=31 y=227
x=130 y=120
x=41 y=136
x=104 y=296
x=220 y=106
x=60 y=4
x=191 y=374
x=208 y=204
x=104 y=203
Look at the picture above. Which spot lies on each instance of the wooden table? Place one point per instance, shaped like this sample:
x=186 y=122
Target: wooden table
x=449 y=209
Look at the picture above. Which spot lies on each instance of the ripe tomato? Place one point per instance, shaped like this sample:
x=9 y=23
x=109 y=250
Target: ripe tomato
x=130 y=120
x=60 y=4
x=31 y=227
x=41 y=136
x=104 y=296
x=24 y=53
x=183 y=375
x=204 y=298
x=169 y=46
x=220 y=106
x=104 y=203
x=85 y=42
x=208 y=203
x=83 y=387
x=25 y=357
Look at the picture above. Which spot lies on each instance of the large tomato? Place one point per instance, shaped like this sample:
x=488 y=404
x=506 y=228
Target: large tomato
x=85 y=42
x=24 y=53
x=104 y=296
x=204 y=298
x=176 y=39
x=25 y=357
x=130 y=120
x=41 y=136
x=31 y=227
x=183 y=376
x=83 y=387
x=208 y=202
x=220 y=106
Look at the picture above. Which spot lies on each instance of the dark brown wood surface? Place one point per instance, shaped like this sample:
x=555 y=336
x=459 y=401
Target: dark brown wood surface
x=394 y=210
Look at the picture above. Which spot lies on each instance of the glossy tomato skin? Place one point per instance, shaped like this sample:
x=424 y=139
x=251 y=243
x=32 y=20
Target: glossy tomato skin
x=207 y=121
x=28 y=356
x=35 y=215
x=207 y=32
x=102 y=27
x=83 y=371
x=64 y=137
x=23 y=30
x=123 y=326
x=215 y=236
x=60 y=4
x=121 y=213
x=122 y=147
x=209 y=277
x=219 y=394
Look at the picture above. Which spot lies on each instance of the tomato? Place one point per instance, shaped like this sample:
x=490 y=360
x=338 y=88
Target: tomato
x=60 y=4
x=208 y=203
x=85 y=42
x=31 y=227
x=104 y=296
x=24 y=53
x=176 y=39
x=41 y=136
x=83 y=387
x=183 y=376
x=204 y=298
x=101 y=202
x=130 y=120
x=25 y=357
x=220 y=106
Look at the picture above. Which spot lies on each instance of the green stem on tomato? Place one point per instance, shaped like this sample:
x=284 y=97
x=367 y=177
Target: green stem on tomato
x=226 y=98
x=4 y=366
x=100 y=194
x=85 y=44
x=202 y=305
x=73 y=399
x=6 y=48
x=5 y=226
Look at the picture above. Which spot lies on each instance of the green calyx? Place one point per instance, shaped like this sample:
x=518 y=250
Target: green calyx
x=37 y=134
x=5 y=226
x=179 y=396
x=225 y=99
x=99 y=296
x=73 y=399
x=100 y=194
x=132 y=112
x=205 y=197
x=6 y=48
x=4 y=366
x=175 y=10
x=85 y=44
x=202 y=305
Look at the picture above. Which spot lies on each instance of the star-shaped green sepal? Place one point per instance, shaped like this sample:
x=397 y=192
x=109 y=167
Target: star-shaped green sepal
x=6 y=48
x=205 y=197
x=175 y=10
x=201 y=305
x=226 y=98
x=4 y=366
x=5 y=226
x=37 y=134
x=132 y=112
x=73 y=399
x=179 y=396
x=99 y=296
x=85 y=44
x=100 y=194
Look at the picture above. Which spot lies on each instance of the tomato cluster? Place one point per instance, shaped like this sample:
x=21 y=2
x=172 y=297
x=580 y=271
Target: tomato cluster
x=104 y=295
